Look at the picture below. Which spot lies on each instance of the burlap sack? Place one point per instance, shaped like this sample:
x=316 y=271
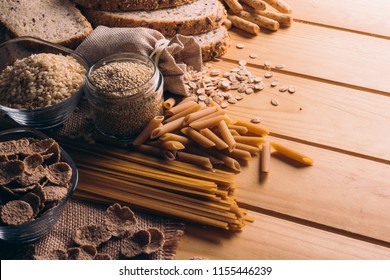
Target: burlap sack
x=182 y=51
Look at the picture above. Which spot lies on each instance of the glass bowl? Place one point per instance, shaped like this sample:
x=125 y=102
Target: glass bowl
x=45 y=117
x=37 y=228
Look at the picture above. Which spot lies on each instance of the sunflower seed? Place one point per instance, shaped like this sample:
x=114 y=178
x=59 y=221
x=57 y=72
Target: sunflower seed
x=239 y=97
x=240 y=46
x=224 y=104
x=283 y=88
x=242 y=62
x=249 y=91
x=274 y=102
x=232 y=100
x=268 y=75
x=279 y=66
x=259 y=86
x=256 y=120
x=253 y=55
x=215 y=72
x=274 y=83
x=291 y=89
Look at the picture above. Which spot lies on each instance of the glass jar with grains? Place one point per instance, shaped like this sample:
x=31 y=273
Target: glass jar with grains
x=125 y=91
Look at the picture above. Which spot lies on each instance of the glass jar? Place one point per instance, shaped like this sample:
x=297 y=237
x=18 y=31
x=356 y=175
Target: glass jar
x=125 y=91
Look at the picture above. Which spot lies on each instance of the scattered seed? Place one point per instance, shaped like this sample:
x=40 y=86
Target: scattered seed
x=279 y=66
x=224 y=105
x=242 y=62
x=215 y=72
x=249 y=91
x=259 y=86
x=274 y=83
x=267 y=65
x=202 y=97
x=253 y=55
x=291 y=89
x=268 y=75
x=258 y=80
x=274 y=102
x=232 y=100
x=240 y=46
x=200 y=91
x=283 y=88
x=256 y=120
x=239 y=97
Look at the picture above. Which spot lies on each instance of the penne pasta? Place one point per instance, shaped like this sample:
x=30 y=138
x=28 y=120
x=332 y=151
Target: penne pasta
x=253 y=128
x=240 y=154
x=219 y=143
x=290 y=153
x=176 y=137
x=239 y=128
x=194 y=159
x=198 y=115
x=228 y=161
x=208 y=122
x=227 y=135
x=184 y=113
x=265 y=157
x=169 y=103
x=154 y=151
x=145 y=133
x=249 y=148
x=169 y=127
x=197 y=137
x=234 y=132
x=250 y=140
x=168 y=145
x=180 y=107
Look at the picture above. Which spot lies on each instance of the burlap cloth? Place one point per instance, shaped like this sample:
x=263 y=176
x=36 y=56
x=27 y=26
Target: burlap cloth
x=180 y=51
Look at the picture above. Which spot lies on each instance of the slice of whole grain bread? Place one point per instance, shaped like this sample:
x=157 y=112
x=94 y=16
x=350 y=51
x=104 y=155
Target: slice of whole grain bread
x=56 y=21
x=195 y=18
x=130 y=5
x=213 y=44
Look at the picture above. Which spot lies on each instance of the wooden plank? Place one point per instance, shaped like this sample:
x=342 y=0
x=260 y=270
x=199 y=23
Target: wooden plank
x=320 y=53
x=339 y=191
x=324 y=114
x=274 y=239
x=361 y=16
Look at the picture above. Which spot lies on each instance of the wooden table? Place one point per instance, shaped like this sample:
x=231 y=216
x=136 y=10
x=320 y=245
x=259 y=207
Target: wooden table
x=337 y=54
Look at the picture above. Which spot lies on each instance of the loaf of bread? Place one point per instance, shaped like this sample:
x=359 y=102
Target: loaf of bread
x=214 y=44
x=56 y=21
x=130 y=5
x=195 y=18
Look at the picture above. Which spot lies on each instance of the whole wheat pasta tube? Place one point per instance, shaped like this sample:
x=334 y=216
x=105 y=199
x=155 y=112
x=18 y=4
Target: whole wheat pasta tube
x=199 y=114
x=194 y=159
x=169 y=103
x=253 y=128
x=234 y=132
x=193 y=108
x=265 y=157
x=188 y=98
x=180 y=107
x=154 y=151
x=292 y=154
x=197 y=137
x=280 y=6
x=261 y=21
x=169 y=127
x=145 y=133
x=219 y=143
x=227 y=135
x=244 y=25
x=207 y=123
x=234 y=5
x=255 y=4
x=168 y=145
x=240 y=154
x=283 y=19
x=239 y=128
x=175 y=137
x=212 y=115
x=249 y=148
x=228 y=161
x=250 y=140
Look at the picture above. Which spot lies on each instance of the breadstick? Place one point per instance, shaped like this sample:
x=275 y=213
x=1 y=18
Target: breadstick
x=234 y=5
x=228 y=24
x=292 y=154
x=283 y=19
x=244 y=25
x=265 y=157
x=169 y=103
x=280 y=6
x=261 y=21
x=258 y=5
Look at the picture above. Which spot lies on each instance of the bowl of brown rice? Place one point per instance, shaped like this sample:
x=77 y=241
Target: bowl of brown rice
x=37 y=179
x=40 y=83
